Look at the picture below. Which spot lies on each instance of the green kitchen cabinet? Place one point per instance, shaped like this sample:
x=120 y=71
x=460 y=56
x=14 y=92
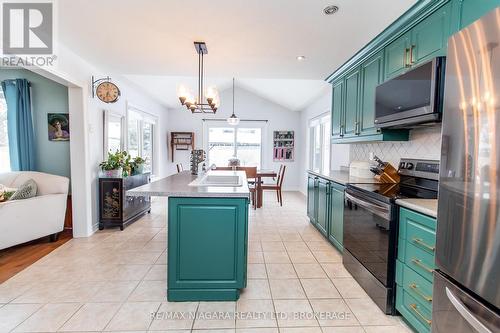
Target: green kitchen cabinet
x=429 y=38
x=396 y=58
x=337 y=109
x=350 y=122
x=336 y=216
x=426 y=40
x=207 y=241
x=415 y=265
x=465 y=12
x=311 y=197
x=323 y=204
x=371 y=77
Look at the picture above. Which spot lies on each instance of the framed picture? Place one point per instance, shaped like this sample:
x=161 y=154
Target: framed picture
x=58 y=124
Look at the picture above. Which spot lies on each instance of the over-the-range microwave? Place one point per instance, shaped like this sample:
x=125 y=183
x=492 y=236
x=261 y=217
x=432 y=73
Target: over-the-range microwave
x=413 y=98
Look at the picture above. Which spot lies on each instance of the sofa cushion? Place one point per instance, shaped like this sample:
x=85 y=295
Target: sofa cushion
x=25 y=191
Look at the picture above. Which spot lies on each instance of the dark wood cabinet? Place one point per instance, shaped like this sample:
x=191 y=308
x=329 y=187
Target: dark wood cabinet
x=117 y=209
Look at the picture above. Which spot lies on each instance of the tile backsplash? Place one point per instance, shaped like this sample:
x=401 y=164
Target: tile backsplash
x=424 y=143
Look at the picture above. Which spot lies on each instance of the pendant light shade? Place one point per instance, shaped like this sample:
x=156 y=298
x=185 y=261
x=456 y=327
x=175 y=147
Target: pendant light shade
x=233 y=120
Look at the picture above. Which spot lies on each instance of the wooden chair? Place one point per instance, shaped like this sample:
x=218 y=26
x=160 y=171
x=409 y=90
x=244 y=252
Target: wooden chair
x=277 y=187
x=251 y=173
x=180 y=168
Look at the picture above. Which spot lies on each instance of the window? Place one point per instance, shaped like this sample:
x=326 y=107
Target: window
x=141 y=137
x=243 y=142
x=319 y=138
x=4 y=139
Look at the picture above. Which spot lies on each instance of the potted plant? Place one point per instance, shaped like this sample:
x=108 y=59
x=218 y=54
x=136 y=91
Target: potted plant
x=138 y=165
x=113 y=166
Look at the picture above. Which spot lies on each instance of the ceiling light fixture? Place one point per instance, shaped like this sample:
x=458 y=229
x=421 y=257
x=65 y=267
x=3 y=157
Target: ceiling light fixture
x=330 y=10
x=301 y=57
x=212 y=97
x=233 y=120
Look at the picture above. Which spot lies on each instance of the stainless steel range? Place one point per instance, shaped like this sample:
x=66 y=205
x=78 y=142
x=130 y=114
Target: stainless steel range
x=371 y=227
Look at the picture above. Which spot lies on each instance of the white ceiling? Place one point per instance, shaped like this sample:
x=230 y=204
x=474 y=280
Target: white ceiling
x=151 y=41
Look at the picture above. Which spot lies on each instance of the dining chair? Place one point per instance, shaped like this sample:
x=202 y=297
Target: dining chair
x=277 y=187
x=251 y=173
x=180 y=168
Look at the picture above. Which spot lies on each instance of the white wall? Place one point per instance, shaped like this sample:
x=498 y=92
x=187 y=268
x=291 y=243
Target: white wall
x=339 y=154
x=87 y=130
x=247 y=106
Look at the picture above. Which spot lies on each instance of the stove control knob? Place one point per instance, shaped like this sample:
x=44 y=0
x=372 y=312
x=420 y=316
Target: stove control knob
x=409 y=166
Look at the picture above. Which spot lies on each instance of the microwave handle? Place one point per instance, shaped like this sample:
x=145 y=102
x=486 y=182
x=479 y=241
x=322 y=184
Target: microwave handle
x=384 y=212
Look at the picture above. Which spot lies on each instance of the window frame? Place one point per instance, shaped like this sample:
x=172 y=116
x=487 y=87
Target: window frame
x=321 y=120
x=6 y=133
x=213 y=123
x=145 y=117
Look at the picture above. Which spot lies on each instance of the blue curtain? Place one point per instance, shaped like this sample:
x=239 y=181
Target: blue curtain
x=19 y=124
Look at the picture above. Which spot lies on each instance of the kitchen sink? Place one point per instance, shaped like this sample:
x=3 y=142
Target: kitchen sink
x=217 y=180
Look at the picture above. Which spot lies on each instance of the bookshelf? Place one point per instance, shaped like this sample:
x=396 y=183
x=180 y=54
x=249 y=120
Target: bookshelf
x=283 y=146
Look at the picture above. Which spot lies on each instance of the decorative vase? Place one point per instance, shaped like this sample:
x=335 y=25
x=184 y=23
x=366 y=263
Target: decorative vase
x=197 y=156
x=139 y=169
x=117 y=173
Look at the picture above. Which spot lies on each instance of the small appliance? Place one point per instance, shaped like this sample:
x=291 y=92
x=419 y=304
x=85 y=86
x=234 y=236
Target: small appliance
x=413 y=98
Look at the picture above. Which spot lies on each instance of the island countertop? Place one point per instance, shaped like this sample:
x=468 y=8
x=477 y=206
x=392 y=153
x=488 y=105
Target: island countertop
x=177 y=185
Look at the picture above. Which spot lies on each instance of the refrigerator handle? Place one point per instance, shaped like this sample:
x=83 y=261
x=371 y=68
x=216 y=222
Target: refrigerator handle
x=464 y=312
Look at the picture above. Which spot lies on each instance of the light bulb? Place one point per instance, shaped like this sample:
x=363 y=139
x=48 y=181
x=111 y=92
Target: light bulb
x=182 y=92
x=233 y=120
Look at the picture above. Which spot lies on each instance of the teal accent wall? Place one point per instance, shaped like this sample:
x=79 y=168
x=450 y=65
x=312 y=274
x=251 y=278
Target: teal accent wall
x=47 y=97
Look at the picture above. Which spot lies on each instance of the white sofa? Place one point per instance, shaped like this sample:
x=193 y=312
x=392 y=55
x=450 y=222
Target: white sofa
x=25 y=220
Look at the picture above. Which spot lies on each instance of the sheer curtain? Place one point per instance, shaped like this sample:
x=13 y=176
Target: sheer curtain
x=19 y=124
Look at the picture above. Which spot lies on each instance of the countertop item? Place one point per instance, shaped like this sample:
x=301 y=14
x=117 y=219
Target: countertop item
x=342 y=177
x=177 y=186
x=424 y=206
x=360 y=169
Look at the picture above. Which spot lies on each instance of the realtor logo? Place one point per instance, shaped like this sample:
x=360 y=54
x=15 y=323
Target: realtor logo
x=27 y=28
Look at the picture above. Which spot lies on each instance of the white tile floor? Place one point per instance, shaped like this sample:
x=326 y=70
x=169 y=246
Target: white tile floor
x=115 y=281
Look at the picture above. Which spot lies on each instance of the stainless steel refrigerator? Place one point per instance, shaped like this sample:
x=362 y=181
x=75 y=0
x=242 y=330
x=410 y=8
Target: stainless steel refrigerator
x=466 y=294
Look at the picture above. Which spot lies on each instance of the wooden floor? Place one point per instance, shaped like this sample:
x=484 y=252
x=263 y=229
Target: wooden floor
x=16 y=258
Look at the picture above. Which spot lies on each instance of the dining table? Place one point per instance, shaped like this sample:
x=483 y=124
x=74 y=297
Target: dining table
x=264 y=173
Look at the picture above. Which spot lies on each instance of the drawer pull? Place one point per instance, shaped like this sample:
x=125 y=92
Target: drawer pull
x=419 y=241
x=413 y=307
x=419 y=263
x=414 y=287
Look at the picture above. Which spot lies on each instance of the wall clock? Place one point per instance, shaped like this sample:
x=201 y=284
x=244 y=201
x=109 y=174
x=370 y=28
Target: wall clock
x=106 y=91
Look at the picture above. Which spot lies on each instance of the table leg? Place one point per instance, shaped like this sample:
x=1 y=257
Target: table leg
x=259 y=192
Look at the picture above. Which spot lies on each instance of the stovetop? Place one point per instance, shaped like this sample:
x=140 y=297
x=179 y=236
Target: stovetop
x=418 y=181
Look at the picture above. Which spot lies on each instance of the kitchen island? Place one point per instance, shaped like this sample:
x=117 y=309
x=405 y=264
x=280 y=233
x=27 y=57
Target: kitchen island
x=206 y=235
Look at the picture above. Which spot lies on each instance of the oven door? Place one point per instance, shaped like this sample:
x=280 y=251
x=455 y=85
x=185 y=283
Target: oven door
x=370 y=234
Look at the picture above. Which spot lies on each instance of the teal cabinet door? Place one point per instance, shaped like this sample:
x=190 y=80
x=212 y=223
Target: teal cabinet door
x=207 y=248
x=371 y=77
x=323 y=204
x=311 y=198
x=351 y=102
x=336 y=227
x=468 y=11
x=396 y=56
x=337 y=108
x=429 y=38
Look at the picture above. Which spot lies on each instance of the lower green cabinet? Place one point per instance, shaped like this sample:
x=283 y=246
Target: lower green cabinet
x=414 y=268
x=336 y=217
x=207 y=248
x=325 y=208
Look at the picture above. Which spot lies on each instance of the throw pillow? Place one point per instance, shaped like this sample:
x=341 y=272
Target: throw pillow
x=25 y=191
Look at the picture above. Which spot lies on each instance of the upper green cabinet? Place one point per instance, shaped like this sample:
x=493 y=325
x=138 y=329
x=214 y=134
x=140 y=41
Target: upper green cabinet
x=424 y=41
x=419 y=35
x=371 y=77
x=337 y=108
x=429 y=38
x=396 y=56
x=351 y=102
x=465 y=12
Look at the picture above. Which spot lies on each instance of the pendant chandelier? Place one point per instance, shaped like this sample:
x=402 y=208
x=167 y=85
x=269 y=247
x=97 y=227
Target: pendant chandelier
x=233 y=120
x=205 y=102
